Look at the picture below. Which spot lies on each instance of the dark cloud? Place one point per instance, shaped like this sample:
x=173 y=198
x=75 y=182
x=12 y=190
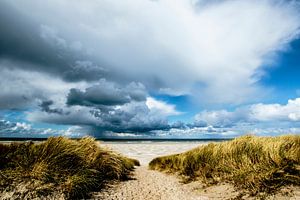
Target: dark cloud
x=136 y=91
x=195 y=124
x=15 y=92
x=22 y=89
x=20 y=41
x=84 y=70
x=45 y=106
x=106 y=94
x=36 y=47
x=199 y=123
x=14 y=101
x=94 y=96
x=130 y=117
x=179 y=125
x=108 y=111
x=135 y=117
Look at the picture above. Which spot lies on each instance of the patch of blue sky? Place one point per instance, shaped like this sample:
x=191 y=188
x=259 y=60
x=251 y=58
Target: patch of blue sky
x=284 y=75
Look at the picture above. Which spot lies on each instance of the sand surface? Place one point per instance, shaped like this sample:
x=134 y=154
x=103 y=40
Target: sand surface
x=149 y=185
x=153 y=185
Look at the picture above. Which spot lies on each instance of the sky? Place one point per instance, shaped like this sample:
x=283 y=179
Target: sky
x=149 y=68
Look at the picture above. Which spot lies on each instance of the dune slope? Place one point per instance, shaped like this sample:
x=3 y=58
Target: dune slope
x=59 y=168
x=260 y=165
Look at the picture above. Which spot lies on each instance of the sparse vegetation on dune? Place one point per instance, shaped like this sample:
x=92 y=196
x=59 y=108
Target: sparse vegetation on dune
x=59 y=167
x=256 y=164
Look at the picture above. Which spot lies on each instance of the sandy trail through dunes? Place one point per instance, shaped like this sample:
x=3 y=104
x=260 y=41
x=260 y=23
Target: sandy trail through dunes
x=149 y=185
x=153 y=185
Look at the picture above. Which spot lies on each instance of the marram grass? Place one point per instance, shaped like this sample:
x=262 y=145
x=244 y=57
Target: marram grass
x=59 y=166
x=257 y=164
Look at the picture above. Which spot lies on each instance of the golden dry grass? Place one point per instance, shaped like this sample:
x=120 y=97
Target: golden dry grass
x=257 y=164
x=72 y=168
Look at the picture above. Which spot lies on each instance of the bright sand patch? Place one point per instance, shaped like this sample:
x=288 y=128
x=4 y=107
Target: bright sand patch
x=146 y=151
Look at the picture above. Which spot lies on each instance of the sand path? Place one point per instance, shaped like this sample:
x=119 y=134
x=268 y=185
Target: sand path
x=149 y=185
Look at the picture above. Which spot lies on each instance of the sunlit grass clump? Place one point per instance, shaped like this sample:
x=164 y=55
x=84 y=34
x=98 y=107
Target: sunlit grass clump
x=59 y=167
x=257 y=164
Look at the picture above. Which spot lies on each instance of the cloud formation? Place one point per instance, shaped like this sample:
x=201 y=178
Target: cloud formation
x=106 y=107
x=22 y=129
x=130 y=117
x=259 y=119
x=214 y=47
x=256 y=113
x=22 y=89
x=100 y=64
x=161 y=108
x=107 y=94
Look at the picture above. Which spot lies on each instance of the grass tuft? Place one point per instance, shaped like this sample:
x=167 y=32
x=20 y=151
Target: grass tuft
x=59 y=166
x=257 y=164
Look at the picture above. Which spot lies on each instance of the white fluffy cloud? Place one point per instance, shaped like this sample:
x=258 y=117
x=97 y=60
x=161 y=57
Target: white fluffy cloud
x=198 y=132
x=17 y=129
x=256 y=113
x=277 y=112
x=259 y=119
x=161 y=108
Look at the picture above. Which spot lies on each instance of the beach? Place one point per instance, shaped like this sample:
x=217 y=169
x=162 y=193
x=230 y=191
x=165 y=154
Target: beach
x=150 y=184
x=153 y=185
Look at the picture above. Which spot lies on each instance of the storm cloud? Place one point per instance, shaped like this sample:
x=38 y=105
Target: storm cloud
x=45 y=106
x=131 y=117
x=107 y=94
x=37 y=47
x=105 y=107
